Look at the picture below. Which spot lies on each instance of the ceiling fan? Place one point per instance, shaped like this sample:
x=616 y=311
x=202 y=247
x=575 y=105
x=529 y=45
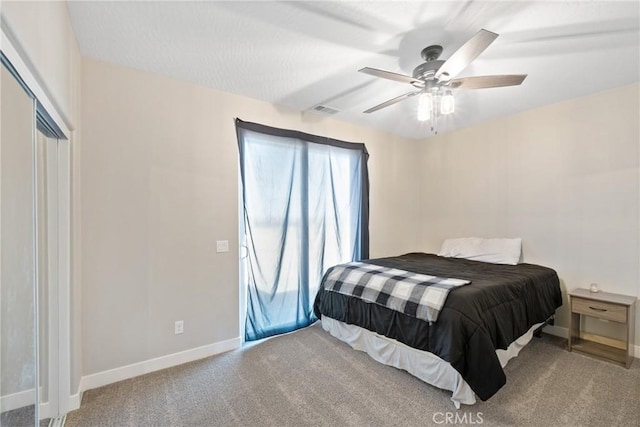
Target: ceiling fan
x=434 y=79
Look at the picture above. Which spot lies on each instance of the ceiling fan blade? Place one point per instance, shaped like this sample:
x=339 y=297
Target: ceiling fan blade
x=482 y=82
x=462 y=57
x=392 y=101
x=391 y=76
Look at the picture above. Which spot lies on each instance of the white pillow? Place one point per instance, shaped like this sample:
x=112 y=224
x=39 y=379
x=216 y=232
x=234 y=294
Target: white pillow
x=497 y=251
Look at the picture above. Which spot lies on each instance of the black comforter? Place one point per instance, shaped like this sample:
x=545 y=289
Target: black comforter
x=501 y=303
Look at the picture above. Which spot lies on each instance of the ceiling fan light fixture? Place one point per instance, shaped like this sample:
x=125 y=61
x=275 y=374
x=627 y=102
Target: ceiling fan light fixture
x=425 y=106
x=447 y=103
x=435 y=78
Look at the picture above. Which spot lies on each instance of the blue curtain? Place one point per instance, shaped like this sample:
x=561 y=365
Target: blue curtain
x=305 y=203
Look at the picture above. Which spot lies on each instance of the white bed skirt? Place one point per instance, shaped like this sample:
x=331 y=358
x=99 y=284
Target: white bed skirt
x=422 y=364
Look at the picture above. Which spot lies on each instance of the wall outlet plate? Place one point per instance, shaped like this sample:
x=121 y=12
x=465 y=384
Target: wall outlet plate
x=178 y=327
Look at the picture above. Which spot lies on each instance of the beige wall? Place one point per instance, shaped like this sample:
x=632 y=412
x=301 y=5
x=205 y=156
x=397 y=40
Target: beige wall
x=563 y=177
x=160 y=186
x=41 y=32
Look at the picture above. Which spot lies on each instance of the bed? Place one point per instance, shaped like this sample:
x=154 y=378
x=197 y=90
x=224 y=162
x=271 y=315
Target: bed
x=480 y=325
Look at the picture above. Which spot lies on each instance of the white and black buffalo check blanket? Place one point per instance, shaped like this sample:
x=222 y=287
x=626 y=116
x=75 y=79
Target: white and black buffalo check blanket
x=417 y=295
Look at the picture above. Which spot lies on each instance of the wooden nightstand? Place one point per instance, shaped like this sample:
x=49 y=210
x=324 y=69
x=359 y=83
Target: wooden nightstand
x=616 y=308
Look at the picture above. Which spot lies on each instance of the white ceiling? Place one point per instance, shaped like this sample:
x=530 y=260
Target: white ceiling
x=299 y=54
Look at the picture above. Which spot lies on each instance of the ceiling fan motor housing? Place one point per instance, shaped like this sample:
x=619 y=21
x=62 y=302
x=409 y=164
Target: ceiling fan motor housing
x=427 y=70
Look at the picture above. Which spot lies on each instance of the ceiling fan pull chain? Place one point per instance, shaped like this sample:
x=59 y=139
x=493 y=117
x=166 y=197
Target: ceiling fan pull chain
x=435 y=111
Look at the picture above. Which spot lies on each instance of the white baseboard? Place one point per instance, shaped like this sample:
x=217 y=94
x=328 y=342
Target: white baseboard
x=21 y=399
x=73 y=402
x=45 y=410
x=17 y=400
x=136 y=369
x=561 y=332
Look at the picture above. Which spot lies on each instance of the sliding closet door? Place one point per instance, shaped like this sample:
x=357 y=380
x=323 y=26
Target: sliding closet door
x=18 y=370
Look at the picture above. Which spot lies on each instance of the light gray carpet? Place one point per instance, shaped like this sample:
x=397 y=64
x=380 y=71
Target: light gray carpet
x=310 y=378
x=22 y=417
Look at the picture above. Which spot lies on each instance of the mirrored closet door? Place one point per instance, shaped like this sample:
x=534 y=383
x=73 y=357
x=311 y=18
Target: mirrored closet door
x=18 y=257
x=34 y=257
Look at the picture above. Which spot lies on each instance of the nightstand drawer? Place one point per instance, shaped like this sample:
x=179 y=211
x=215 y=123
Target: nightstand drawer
x=599 y=309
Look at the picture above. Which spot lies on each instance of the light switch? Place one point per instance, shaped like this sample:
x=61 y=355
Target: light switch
x=222 y=246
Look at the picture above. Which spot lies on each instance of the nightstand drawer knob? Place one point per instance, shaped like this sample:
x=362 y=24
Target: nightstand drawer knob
x=597 y=309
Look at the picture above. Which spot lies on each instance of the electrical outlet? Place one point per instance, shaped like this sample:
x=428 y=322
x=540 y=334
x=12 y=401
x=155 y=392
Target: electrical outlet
x=178 y=327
